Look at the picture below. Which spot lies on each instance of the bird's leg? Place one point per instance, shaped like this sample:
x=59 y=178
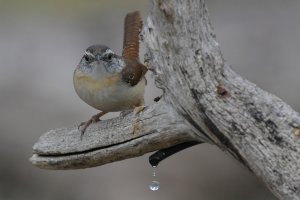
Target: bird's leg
x=94 y=119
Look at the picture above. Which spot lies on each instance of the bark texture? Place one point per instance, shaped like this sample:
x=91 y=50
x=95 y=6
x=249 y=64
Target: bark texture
x=204 y=100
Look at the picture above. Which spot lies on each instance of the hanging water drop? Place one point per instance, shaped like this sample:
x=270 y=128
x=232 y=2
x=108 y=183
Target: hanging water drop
x=154 y=185
x=153 y=173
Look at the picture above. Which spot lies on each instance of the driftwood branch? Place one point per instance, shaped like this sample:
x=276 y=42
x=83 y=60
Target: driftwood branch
x=111 y=140
x=204 y=100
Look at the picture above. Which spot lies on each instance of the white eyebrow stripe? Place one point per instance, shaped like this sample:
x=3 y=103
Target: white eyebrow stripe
x=108 y=51
x=89 y=54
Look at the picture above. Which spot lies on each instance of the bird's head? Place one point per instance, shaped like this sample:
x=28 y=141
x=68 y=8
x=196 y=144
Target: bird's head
x=100 y=60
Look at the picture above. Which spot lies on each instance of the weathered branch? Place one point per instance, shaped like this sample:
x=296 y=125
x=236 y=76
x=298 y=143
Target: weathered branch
x=111 y=140
x=254 y=126
x=204 y=100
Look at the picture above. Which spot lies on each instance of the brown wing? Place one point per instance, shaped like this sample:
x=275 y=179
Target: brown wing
x=134 y=70
x=132 y=28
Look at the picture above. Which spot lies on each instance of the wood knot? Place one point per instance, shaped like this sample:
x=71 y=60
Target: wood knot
x=221 y=91
x=198 y=52
x=167 y=9
x=156 y=99
x=296 y=131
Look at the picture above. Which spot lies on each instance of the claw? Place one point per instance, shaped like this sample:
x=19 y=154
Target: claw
x=85 y=125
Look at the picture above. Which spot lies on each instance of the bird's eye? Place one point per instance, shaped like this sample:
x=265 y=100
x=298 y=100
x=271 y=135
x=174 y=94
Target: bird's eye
x=86 y=58
x=109 y=56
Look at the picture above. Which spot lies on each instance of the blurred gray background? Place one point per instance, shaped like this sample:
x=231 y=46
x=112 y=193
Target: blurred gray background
x=41 y=42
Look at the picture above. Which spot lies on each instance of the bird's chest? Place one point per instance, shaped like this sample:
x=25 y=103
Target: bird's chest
x=109 y=93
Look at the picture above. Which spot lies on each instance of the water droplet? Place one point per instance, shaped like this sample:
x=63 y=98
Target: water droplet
x=154 y=186
x=154 y=173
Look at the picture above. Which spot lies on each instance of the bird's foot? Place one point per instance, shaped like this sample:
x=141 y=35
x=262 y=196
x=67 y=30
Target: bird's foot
x=86 y=124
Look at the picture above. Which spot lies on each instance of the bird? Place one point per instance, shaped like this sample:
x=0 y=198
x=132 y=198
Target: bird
x=109 y=82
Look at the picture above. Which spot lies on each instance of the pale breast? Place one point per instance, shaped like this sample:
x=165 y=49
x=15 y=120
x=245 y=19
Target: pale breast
x=108 y=94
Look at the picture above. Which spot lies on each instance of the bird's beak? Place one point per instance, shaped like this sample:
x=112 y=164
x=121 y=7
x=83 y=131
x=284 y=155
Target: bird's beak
x=98 y=58
x=100 y=62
